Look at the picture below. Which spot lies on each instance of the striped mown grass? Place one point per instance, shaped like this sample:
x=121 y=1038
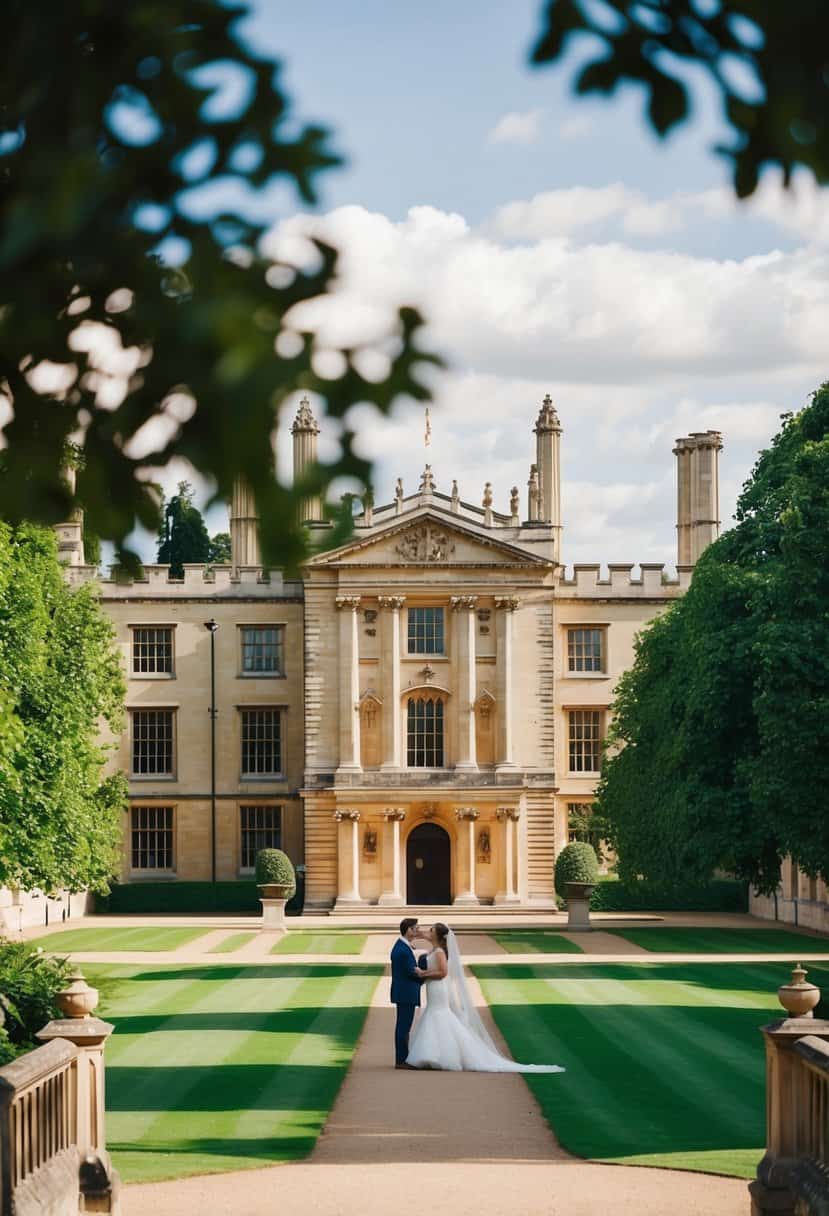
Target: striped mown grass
x=320 y=943
x=665 y=1062
x=235 y=942
x=225 y=1067
x=534 y=941
x=688 y=940
x=139 y=937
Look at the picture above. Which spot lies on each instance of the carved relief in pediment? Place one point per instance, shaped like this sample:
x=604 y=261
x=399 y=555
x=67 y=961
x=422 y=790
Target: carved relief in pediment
x=425 y=543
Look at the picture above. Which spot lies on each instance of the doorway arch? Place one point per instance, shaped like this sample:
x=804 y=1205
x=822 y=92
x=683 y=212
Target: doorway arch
x=429 y=865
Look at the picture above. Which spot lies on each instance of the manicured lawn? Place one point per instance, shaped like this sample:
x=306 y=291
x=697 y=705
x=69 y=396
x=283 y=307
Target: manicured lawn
x=224 y=1067
x=534 y=941
x=167 y=937
x=234 y=942
x=725 y=941
x=320 y=943
x=665 y=1062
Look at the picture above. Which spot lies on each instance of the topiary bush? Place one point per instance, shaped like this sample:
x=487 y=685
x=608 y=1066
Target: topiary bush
x=29 y=980
x=274 y=866
x=577 y=862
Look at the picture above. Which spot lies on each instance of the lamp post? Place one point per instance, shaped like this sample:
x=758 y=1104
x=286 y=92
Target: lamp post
x=211 y=626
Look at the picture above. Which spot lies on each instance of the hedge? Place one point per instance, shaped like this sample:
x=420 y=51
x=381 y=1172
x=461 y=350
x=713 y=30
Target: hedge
x=721 y=895
x=239 y=897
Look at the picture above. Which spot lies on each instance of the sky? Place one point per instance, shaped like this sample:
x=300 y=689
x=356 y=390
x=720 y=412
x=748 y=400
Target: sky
x=554 y=245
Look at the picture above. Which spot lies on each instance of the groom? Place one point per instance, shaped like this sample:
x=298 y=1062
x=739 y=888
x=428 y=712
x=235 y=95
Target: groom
x=405 y=988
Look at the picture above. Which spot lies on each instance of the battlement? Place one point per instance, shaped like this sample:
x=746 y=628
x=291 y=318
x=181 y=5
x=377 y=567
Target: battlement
x=652 y=582
x=199 y=580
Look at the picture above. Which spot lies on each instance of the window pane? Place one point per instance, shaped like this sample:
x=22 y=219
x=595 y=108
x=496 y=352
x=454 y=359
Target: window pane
x=261 y=828
x=585 y=649
x=424 y=736
x=152 y=742
x=152 y=651
x=262 y=650
x=261 y=742
x=151 y=838
x=584 y=740
x=426 y=631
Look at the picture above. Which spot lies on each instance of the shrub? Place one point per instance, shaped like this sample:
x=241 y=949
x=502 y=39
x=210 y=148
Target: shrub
x=720 y=895
x=29 y=981
x=272 y=865
x=577 y=862
x=153 y=898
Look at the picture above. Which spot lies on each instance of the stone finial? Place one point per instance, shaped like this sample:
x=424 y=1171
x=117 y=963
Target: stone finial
x=305 y=420
x=455 y=503
x=547 y=419
x=368 y=507
x=398 y=496
x=77 y=1000
x=534 y=494
x=798 y=997
x=427 y=480
x=487 y=499
x=514 y=503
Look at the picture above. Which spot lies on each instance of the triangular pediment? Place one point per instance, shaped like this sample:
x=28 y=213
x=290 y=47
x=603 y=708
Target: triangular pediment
x=427 y=537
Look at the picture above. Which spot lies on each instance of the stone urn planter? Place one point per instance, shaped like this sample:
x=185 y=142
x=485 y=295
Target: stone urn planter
x=578 y=906
x=798 y=997
x=77 y=1000
x=276 y=883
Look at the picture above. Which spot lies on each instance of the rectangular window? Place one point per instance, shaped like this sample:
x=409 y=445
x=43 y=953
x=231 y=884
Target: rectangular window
x=426 y=631
x=585 y=649
x=585 y=740
x=151 y=838
x=261 y=828
x=261 y=743
x=152 y=650
x=262 y=650
x=152 y=742
x=424 y=733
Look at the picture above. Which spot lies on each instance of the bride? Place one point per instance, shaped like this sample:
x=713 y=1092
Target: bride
x=450 y=1033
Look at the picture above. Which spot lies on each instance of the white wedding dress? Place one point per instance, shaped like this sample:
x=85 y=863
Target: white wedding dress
x=450 y=1034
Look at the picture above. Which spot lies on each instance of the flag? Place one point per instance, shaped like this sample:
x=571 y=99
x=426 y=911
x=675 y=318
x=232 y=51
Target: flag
x=427 y=437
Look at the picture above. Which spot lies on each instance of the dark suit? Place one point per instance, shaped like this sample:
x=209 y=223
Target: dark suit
x=405 y=994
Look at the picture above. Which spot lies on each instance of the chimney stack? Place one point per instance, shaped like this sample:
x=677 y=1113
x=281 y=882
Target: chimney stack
x=698 y=494
x=305 y=430
x=244 y=527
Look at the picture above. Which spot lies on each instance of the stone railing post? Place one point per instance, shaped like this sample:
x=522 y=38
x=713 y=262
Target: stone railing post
x=788 y=1136
x=99 y=1183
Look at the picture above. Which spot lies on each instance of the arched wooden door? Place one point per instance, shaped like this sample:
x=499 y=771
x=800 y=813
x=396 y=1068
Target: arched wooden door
x=429 y=865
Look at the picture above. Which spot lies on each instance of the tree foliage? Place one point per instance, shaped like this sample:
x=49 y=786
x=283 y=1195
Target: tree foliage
x=719 y=750
x=183 y=534
x=59 y=676
x=136 y=314
x=766 y=60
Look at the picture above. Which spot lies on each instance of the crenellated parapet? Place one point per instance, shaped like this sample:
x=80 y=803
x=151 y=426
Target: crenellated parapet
x=245 y=582
x=648 y=580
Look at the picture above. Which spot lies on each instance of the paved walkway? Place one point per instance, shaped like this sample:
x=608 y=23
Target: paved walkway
x=451 y=1144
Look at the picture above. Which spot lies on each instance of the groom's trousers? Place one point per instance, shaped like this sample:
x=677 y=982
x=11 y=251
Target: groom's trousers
x=405 y=1017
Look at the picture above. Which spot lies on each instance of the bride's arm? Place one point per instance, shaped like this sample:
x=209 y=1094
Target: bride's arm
x=440 y=970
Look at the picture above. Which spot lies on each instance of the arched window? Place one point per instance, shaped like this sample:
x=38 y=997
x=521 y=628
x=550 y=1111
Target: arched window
x=424 y=733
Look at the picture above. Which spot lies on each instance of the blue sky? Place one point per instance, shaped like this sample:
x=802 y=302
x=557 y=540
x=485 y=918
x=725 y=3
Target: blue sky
x=555 y=245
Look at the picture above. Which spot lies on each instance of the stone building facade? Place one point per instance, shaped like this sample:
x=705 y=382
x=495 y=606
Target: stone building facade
x=415 y=720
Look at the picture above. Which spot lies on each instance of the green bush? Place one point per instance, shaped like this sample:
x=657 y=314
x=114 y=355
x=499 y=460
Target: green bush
x=153 y=898
x=272 y=865
x=720 y=895
x=29 y=981
x=577 y=862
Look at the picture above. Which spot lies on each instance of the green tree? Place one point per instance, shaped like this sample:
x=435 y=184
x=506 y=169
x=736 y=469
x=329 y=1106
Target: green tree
x=719 y=751
x=60 y=675
x=130 y=311
x=218 y=553
x=765 y=60
x=183 y=536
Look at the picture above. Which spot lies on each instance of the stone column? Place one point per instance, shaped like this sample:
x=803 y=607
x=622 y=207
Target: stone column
x=463 y=606
x=390 y=606
x=468 y=815
x=394 y=816
x=349 y=759
x=508 y=817
x=305 y=431
x=244 y=527
x=348 y=842
x=505 y=606
x=548 y=456
x=698 y=494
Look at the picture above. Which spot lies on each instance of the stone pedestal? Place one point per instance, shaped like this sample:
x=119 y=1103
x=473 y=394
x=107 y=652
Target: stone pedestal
x=578 y=907
x=273 y=913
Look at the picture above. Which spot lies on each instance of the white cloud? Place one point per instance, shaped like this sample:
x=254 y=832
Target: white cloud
x=517 y=128
x=580 y=126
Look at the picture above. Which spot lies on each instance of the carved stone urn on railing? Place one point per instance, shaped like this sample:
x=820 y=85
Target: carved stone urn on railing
x=77 y=1000
x=798 y=997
